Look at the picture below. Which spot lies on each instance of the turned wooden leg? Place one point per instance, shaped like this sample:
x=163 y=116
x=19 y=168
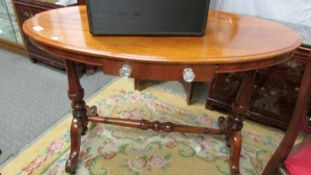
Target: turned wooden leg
x=75 y=135
x=233 y=125
x=235 y=151
x=79 y=121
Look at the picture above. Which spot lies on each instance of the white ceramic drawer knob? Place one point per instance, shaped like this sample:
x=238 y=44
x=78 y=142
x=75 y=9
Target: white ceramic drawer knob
x=125 y=71
x=188 y=75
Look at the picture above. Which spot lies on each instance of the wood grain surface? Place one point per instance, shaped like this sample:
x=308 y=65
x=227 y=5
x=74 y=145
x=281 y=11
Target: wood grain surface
x=229 y=39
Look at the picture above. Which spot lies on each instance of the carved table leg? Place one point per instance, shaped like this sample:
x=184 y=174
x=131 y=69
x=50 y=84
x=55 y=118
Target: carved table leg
x=233 y=125
x=79 y=121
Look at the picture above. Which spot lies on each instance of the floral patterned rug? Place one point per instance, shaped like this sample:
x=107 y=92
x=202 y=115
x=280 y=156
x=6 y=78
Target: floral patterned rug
x=112 y=150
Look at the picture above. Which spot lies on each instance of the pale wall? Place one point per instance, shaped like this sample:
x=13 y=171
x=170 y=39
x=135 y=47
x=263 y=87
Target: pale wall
x=292 y=11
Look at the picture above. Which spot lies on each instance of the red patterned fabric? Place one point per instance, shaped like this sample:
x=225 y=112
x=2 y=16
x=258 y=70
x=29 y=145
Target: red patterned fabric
x=299 y=161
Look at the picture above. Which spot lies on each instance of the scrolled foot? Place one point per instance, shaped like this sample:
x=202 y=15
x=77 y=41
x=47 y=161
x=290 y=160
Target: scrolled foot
x=235 y=151
x=75 y=135
x=71 y=163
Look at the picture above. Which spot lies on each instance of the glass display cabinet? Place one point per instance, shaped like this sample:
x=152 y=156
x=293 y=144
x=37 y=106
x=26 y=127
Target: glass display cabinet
x=9 y=29
x=26 y=9
x=276 y=88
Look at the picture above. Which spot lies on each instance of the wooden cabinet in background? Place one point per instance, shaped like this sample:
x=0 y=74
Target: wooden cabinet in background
x=27 y=8
x=275 y=90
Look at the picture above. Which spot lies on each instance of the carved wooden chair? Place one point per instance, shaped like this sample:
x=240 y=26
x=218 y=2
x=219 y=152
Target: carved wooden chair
x=299 y=160
x=283 y=152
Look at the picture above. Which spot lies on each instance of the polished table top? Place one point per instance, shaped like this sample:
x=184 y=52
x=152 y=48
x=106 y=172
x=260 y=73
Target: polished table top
x=229 y=38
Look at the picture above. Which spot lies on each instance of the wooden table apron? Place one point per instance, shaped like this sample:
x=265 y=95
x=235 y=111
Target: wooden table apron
x=163 y=71
x=232 y=43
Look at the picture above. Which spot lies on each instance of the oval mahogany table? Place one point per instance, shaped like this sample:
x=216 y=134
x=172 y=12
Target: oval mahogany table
x=231 y=43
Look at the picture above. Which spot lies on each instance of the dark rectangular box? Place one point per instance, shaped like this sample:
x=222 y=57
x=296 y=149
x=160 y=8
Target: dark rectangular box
x=147 y=17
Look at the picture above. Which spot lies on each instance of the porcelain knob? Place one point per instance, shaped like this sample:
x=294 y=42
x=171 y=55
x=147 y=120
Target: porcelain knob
x=188 y=75
x=125 y=71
